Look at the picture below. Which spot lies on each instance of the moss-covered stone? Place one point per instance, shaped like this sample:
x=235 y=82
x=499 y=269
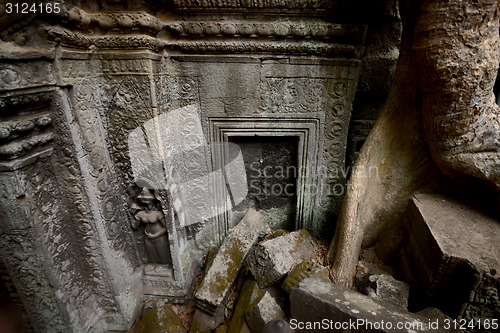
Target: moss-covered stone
x=273 y=259
x=159 y=319
x=227 y=262
x=250 y=293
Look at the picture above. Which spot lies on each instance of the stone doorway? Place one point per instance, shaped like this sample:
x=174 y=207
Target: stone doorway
x=271 y=170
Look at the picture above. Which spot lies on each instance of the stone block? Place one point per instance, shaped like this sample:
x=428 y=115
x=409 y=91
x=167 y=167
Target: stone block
x=303 y=271
x=250 y=292
x=160 y=319
x=320 y=305
x=453 y=250
x=227 y=262
x=273 y=259
x=263 y=311
x=387 y=289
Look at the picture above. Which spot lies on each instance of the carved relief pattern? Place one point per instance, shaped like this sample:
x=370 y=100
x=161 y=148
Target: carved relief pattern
x=484 y=301
x=128 y=106
x=262 y=265
x=59 y=227
x=21 y=135
x=299 y=95
x=189 y=162
x=336 y=126
x=24 y=264
x=217 y=47
x=90 y=104
x=279 y=29
x=64 y=228
x=290 y=4
x=284 y=95
x=183 y=90
x=21 y=75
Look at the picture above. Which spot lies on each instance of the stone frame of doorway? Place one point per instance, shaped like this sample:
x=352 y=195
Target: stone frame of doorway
x=307 y=129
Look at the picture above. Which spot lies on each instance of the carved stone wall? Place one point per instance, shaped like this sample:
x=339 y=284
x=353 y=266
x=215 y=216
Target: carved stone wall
x=75 y=85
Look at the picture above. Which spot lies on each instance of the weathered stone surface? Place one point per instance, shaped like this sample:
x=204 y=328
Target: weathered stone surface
x=314 y=302
x=160 y=319
x=385 y=288
x=273 y=259
x=250 y=292
x=303 y=271
x=453 y=251
x=262 y=311
x=227 y=262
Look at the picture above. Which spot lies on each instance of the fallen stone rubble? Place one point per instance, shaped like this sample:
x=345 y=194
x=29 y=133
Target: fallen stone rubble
x=261 y=281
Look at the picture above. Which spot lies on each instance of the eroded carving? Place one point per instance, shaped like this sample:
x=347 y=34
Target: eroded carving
x=148 y=212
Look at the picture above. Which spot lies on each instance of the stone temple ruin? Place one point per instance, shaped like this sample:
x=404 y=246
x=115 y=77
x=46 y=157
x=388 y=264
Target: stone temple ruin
x=137 y=136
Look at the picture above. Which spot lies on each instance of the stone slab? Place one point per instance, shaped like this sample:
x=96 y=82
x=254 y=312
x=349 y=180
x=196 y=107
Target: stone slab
x=263 y=311
x=453 y=250
x=227 y=262
x=317 y=302
x=273 y=259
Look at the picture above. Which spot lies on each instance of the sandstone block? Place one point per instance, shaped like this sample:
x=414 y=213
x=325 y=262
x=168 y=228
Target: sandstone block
x=227 y=262
x=453 y=250
x=273 y=259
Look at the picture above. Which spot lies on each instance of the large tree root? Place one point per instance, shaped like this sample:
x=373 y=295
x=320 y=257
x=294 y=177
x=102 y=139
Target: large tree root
x=443 y=94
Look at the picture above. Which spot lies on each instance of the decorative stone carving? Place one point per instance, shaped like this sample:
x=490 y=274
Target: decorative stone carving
x=280 y=29
x=113 y=71
x=273 y=259
x=289 y=4
x=31 y=74
x=306 y=129
x=300 y=95
x=54 y=230
x=147 y=212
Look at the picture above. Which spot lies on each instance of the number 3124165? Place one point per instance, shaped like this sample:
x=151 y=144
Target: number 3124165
x=26 y=8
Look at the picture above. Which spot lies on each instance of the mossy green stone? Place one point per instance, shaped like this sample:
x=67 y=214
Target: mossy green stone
x=159 y=319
